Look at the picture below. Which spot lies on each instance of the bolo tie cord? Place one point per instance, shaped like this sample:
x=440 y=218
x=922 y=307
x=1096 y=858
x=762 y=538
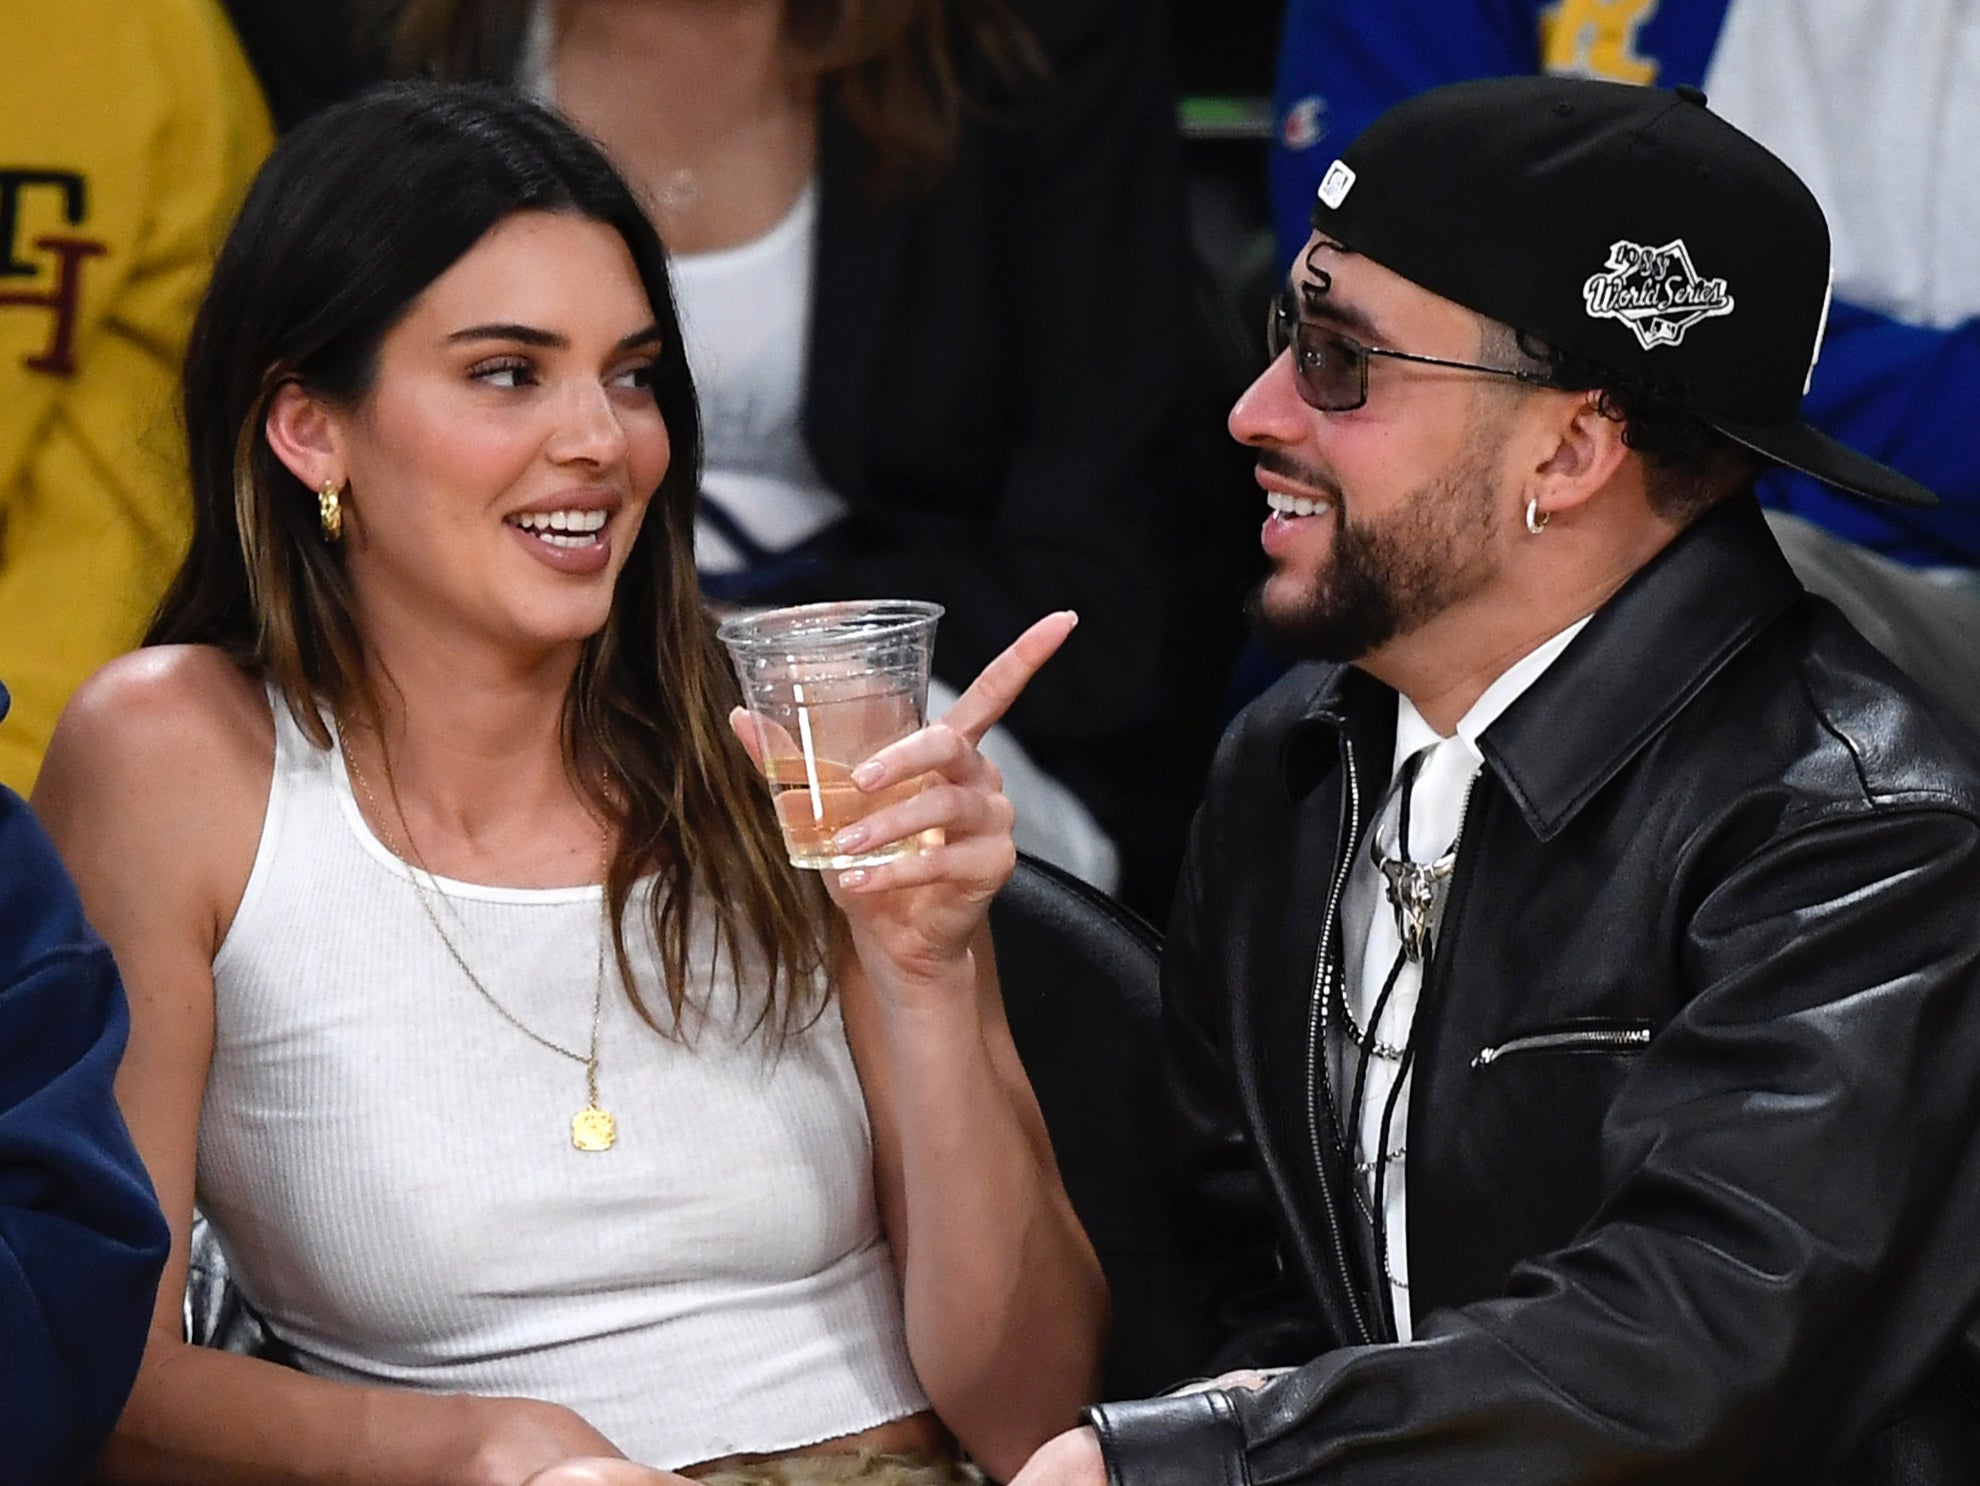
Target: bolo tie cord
x=1364 y=1049
x=1377 y=1213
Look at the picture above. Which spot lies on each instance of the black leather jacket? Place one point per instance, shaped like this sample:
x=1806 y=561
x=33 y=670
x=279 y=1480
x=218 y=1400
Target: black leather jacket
x=1711 y=1210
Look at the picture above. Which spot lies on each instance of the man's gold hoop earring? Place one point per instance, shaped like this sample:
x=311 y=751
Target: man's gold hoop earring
x=1536 y=519
x=330 y=511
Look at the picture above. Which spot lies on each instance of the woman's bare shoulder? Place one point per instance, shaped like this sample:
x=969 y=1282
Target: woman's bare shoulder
x=160 y=711
x=161 y=763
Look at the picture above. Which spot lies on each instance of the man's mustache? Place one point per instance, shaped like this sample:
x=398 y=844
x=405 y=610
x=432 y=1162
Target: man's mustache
x=1277 y=462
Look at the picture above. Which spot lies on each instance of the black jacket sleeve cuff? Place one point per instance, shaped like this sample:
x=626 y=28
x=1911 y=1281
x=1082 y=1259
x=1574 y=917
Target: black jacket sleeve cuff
x=1193 y=1439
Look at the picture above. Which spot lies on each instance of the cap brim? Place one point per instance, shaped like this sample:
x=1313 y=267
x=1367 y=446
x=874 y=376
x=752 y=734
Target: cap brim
x=1813 y=452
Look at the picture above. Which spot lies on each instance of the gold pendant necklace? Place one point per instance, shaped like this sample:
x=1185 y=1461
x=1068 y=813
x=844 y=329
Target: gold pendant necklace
x=592 y=1128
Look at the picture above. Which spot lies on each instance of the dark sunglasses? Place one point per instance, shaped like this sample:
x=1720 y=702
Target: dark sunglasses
x=1331 y=369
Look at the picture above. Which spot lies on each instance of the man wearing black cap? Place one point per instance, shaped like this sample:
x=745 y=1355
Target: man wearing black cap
x=1573 y=992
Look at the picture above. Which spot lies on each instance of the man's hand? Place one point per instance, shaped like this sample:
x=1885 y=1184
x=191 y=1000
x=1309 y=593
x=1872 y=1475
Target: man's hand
x=1247 y=1378
x=1070 y=1459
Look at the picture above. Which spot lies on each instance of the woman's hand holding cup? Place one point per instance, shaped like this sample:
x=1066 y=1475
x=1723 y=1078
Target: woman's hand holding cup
x=913 y=917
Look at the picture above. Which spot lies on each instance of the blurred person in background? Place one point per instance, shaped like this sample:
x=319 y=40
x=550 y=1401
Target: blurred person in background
x=899 y=229
x=127 y=135
x=1875 y=105
x=81 y=1238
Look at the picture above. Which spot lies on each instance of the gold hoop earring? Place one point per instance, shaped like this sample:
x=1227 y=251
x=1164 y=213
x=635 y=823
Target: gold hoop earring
x=1536 y=519
x=330 y=510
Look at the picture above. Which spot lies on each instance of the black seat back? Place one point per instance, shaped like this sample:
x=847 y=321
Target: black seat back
x=1079 y=974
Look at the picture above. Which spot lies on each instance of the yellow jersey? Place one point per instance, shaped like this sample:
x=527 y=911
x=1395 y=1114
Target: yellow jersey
x=129 y=130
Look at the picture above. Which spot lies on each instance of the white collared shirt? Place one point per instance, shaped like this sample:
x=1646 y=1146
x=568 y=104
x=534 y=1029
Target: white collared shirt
x=1369 y=940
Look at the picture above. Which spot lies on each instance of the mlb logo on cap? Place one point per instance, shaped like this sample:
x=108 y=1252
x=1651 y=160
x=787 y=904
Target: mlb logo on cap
x=1335 y=184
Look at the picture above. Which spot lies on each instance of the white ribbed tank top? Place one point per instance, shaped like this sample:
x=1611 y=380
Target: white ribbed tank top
x=388 y=1165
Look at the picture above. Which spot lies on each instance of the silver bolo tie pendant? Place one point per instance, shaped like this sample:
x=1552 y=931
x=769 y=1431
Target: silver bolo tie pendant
x=1416 y=894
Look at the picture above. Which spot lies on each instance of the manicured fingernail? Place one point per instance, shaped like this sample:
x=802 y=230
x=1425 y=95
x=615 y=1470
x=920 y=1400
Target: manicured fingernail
x=851 y=838
x=854 y=877
x=868 y=774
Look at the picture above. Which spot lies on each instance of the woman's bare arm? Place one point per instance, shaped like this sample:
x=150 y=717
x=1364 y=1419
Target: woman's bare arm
x=1006 y=1305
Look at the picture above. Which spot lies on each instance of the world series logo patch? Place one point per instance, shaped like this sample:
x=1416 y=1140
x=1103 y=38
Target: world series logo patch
x=1655 y=292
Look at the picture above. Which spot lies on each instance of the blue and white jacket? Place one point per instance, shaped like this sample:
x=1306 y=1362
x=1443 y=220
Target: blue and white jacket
x=81 y=1238
x=1876 y=112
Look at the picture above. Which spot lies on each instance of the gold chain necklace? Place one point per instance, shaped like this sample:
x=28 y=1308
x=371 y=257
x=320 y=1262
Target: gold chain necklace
x=592 y=1128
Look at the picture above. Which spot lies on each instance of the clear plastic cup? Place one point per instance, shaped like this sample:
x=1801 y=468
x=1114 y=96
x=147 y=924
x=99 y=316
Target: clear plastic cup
x=826 y=687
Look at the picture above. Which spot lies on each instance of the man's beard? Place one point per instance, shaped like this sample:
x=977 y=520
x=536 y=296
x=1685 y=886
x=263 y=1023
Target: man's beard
x=1389 y=577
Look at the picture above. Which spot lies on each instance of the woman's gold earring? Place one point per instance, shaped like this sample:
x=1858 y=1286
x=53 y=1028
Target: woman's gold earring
x=330 y=510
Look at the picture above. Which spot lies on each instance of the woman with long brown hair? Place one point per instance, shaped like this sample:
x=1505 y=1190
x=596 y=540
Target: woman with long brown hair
x=928 y=254
x=559 y=1130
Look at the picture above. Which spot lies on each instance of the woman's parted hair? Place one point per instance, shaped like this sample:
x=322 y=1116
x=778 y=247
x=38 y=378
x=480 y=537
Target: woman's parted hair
x=357 y=211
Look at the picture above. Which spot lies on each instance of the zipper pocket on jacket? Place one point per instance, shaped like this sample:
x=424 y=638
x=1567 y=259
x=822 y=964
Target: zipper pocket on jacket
x=1592 y=1039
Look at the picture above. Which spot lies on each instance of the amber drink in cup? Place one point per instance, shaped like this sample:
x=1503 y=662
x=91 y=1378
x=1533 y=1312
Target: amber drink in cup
x=827 y=686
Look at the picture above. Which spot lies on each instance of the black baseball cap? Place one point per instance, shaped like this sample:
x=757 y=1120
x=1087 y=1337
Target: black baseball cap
x=1630 y=226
